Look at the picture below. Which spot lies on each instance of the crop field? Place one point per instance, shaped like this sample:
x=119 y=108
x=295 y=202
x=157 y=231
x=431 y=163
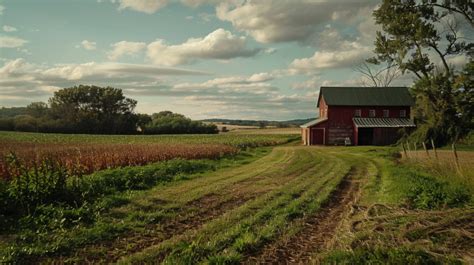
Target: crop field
x=273 y=204
x=84 y=154
x=240 y=141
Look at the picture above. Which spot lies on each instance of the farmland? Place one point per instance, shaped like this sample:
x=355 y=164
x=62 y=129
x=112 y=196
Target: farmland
x=284 y=203
x=84 y=154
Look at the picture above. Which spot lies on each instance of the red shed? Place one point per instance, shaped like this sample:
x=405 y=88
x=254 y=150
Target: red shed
x=359 y=116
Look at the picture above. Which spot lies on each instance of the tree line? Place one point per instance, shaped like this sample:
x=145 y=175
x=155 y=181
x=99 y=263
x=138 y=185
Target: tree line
x=423 y=38
x=96 y=110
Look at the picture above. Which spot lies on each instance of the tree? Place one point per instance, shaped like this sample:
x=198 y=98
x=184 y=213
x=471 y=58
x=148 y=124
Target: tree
x=37 y=109
x=92 y=109
x=420 y=37
x=378 y=77
x=167 y=122
x=415 y=33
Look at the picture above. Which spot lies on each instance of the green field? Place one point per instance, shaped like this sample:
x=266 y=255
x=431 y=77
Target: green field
x=240 y=140
x=279 y=203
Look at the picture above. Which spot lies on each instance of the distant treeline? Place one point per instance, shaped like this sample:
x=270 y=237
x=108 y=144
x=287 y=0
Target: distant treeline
x=95 y=110
x=261 y=123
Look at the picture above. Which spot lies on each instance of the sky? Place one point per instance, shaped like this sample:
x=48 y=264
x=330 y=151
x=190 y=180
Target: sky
x=202 y=58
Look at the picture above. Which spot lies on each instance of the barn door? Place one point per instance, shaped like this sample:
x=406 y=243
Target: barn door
x=317 y=136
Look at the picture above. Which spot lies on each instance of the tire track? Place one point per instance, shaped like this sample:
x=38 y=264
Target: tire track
x=197 y=212
x=317 y=232
x=271 y=195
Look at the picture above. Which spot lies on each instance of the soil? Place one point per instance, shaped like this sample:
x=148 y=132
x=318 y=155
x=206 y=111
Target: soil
x=318 y=231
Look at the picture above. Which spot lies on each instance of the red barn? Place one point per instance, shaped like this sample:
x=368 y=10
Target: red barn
x=363 y=115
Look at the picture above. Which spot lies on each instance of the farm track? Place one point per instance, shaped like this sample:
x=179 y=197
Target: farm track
x=242 y=194
x=318 y=230
x=304 y=192
x=205 y=199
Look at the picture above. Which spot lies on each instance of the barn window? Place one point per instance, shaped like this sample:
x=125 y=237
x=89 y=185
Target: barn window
x=372 y=113
x=403 y=113
x=386 y=113
x=357 y=113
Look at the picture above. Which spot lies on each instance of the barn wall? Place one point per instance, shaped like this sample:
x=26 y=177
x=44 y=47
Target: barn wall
x=340 y=123
x=323 y=108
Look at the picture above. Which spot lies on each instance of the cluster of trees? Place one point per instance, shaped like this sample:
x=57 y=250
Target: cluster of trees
x=420 y=37
x=167 y=122
x=96 y=110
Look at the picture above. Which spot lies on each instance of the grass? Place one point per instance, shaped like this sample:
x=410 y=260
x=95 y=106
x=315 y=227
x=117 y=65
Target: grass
x=407 y=214
x=240 y=141
x=234 y=209
x=59 y=228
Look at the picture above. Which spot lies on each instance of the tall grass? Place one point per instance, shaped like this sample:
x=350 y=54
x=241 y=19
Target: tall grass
x=443 y=165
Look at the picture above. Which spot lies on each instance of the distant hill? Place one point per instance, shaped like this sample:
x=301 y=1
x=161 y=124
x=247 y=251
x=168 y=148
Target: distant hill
x=261 y=123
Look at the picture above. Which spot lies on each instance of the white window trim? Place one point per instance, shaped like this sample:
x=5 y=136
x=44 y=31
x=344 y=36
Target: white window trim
x=372 y=113
x=386 y=111
x=358 y=113
x=404 y=113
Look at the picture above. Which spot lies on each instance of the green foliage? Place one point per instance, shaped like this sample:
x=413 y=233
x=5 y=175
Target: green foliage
x=237 y=140
x=410 y=29
x=416 y=36
x=96 y=110
x=49 y=183
x=138 y=178
x=12 y=112
x=37 y=109
x=427 y=193
x=58 y=227
x=444 y=109
x=92 y=109
x=25 y=123
x=29 y=188
x=167 y=122
x=7 y=124
x=416 y=189
x=383 y=256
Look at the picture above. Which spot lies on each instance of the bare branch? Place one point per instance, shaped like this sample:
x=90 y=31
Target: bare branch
x=382 y=77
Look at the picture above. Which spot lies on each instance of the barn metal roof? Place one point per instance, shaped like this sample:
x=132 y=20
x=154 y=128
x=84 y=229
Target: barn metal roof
x=382 y=122
x=312 y=123
x=366 y=96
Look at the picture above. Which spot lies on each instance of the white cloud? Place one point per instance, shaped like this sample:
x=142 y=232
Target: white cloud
x=125 y=48
x=145 y=6
x=280 y=21
x=19 y=76
x=312 y=83
x=261 y=77
x=232 y=96
x=206 y=17
x=196 y=3
x=253 y=81
x=88 y=45
x=352 y=55
x=2 y=8
x=220 y=44
x=13 y=66
x=7 y=28
x=11 y=42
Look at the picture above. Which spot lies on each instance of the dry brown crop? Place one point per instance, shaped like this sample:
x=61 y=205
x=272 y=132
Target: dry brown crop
x=86 y=158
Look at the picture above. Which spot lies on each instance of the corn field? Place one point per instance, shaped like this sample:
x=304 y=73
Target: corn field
x=84 y=154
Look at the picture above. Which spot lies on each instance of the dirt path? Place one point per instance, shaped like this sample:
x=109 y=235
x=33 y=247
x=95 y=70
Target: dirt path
x=217 y=194
x=318 y=230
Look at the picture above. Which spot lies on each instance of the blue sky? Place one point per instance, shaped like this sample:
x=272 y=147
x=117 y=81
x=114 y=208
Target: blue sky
x=202 y=58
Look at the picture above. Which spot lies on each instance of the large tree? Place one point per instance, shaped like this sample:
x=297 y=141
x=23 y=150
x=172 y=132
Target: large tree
x=421 y=37
x=93 y=109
